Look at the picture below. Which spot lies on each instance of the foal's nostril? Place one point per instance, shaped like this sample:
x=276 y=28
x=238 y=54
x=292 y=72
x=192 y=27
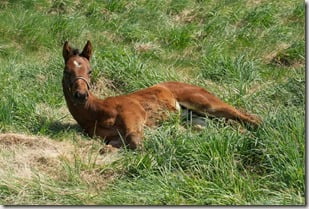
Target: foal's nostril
x=80 y=96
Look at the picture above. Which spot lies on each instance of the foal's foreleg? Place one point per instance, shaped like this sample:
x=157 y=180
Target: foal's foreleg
x=133 y=123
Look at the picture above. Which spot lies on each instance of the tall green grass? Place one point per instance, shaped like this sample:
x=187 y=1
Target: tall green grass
x=249 y=53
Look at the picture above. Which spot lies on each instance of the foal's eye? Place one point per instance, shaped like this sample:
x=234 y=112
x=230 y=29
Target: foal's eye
x=89 y=72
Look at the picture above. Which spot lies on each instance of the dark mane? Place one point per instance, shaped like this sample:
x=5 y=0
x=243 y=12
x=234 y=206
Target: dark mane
x=76 y=52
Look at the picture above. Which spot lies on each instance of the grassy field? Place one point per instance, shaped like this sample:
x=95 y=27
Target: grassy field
x=250 y=53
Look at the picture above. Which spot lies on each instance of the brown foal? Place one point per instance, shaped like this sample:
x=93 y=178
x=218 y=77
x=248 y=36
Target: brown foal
x=120 y=120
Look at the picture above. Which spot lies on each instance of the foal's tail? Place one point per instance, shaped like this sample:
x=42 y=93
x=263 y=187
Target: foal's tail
x=202 y=102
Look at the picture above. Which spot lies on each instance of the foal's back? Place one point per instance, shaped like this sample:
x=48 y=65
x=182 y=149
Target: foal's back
x=157 y=101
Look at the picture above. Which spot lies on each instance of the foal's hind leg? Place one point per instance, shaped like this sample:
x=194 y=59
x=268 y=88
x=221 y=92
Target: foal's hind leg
x=205 y=103
x=201 y=101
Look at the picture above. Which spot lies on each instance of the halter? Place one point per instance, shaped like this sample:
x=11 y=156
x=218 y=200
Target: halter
x=84 y=79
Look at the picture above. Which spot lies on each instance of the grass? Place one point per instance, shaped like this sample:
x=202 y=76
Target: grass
x=249 y=53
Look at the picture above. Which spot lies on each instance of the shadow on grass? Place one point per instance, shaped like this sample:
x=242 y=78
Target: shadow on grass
x=55 y=128
x=59 y=127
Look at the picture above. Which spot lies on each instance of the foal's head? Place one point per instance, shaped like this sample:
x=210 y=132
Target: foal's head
x=76 y=74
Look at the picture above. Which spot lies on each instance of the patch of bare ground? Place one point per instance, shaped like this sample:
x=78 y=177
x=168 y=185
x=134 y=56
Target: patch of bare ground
x=23 y=156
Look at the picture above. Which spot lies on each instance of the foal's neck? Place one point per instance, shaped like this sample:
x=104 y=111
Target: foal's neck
x=83 y=112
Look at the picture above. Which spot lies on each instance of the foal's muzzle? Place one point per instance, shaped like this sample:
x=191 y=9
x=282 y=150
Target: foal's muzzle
x=81 y=95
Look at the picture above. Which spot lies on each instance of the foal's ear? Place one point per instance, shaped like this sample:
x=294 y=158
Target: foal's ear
x=67 y=51
x=87 y=51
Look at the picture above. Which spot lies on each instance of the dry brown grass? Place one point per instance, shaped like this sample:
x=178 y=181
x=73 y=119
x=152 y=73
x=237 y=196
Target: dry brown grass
x=104 y=87
x=22 y=154
x=22 y=157
x=110 y=36
x=145 y=47
x=272 y=55
x=185 y=16
x=253 y=3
